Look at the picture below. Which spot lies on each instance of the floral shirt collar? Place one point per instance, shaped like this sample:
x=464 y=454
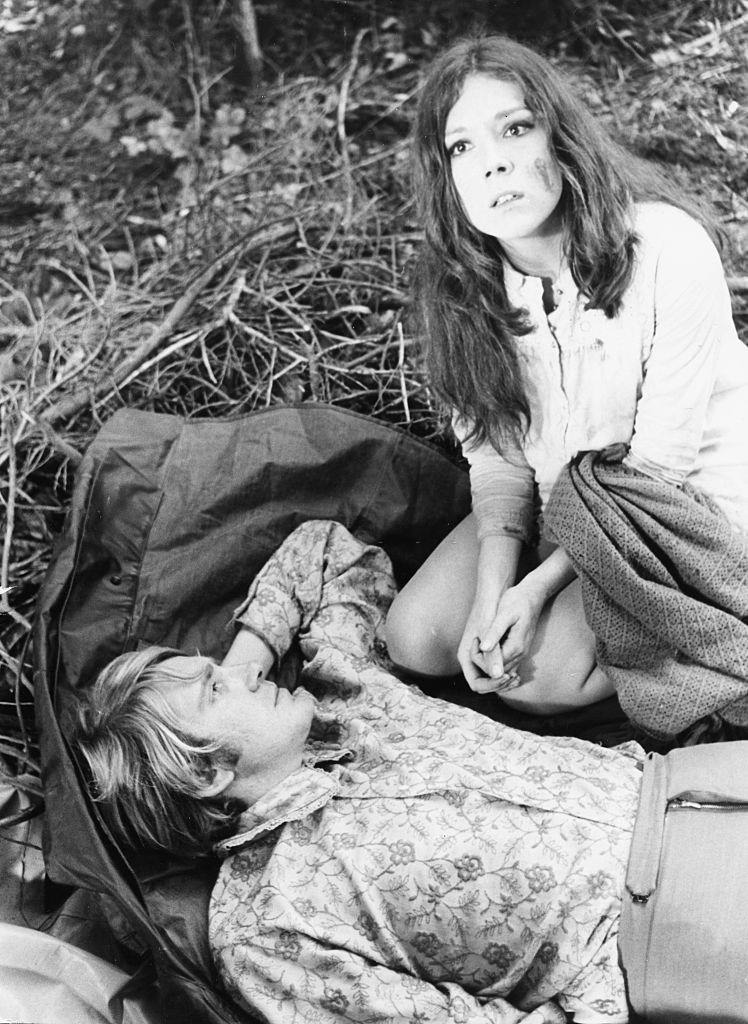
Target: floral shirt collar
x=308 y=789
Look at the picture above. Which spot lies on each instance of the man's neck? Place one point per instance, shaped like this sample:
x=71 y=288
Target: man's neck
x=252 y=788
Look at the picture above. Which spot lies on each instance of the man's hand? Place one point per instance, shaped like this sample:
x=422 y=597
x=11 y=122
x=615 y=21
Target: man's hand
x=548 y=1013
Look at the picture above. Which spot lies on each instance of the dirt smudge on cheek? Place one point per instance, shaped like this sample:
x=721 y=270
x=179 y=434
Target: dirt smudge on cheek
x=545 y=173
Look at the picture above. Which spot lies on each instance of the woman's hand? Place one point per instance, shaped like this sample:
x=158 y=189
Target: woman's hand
x=469 y=655
x=500 y=628
x=513 y=628
x=497 y=568
x=497 y=637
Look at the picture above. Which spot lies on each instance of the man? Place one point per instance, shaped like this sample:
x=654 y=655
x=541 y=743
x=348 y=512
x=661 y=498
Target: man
x=388 y=857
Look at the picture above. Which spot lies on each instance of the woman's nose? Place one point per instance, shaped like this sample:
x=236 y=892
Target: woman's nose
x=499 y=167
x=496 y=160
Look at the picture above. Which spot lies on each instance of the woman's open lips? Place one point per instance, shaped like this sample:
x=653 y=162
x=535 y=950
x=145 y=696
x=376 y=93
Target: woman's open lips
x=505 y=198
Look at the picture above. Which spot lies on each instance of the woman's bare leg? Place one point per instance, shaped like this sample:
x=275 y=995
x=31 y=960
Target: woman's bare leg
x=427 y=618
x=560 y=671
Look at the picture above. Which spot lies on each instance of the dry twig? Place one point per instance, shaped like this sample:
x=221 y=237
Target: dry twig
x=342 y=136
x=246 y=27
x=69 y=407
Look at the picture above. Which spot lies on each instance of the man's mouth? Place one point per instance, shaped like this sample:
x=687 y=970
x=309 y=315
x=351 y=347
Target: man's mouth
x=504 y=198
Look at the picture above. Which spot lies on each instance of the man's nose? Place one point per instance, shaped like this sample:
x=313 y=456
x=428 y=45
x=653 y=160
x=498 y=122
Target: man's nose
x=255 y=674
x=249 y=675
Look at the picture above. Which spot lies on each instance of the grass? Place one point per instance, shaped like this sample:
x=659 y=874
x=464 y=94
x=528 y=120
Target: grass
x=174 y=241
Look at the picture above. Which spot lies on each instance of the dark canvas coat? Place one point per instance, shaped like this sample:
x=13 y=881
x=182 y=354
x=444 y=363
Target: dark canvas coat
x=169 y=520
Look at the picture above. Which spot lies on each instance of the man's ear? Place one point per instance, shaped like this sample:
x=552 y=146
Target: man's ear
x=222 y=779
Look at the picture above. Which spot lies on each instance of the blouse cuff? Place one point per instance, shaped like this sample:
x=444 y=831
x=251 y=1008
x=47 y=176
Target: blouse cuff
x=653 y=469
x=503 y=503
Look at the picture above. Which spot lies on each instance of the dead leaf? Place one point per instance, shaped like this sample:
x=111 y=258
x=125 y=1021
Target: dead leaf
x=234 y=159
x=103 y=127
x=9 y=370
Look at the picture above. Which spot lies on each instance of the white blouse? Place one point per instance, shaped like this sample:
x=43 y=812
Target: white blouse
x=668 y=376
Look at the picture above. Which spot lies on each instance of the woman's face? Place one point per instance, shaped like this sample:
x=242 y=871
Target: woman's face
x=503 y=167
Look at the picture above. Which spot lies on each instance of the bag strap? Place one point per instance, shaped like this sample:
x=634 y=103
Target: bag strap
x=646 y=844
x=641 y=876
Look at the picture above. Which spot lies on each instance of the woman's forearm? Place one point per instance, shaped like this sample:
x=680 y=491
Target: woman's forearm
x=498 y=558
x=551 y=576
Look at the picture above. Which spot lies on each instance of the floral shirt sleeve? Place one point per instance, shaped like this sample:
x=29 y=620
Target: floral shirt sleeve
x=426 y=864
x=325 y=587
x=298 y=979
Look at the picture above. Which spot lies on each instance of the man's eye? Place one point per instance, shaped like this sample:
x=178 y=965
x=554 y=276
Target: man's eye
x=212 y=679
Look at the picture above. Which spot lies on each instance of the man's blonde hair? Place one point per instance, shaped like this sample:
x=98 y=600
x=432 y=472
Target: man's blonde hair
x=148 y=775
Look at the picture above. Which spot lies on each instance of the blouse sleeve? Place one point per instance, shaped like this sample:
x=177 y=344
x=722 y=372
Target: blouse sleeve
x=692 y=318
x=502 y=487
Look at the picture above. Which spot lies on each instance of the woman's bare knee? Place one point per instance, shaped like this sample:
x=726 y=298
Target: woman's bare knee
x=414 y=641
x=425 y=622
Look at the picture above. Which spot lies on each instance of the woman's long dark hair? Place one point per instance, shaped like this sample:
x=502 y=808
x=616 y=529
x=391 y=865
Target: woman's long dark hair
x=468 y=328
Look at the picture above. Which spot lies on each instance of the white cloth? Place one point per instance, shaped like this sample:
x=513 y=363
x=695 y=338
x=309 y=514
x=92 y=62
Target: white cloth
x=45 y=980
x=668 y=375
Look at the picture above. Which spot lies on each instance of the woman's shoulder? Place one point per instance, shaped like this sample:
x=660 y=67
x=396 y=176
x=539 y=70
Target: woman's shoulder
x=672 y=242
x=661 y=226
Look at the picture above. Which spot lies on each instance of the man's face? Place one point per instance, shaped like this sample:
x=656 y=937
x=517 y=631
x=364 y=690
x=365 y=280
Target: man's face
x=265 y=724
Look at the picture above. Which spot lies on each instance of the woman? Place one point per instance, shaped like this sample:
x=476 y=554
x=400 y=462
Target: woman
x=569 y=300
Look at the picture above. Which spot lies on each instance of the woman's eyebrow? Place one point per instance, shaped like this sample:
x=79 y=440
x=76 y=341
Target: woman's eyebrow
x=498 y=116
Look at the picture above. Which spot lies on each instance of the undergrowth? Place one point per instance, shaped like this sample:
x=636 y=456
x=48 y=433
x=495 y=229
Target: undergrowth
x=178 y=241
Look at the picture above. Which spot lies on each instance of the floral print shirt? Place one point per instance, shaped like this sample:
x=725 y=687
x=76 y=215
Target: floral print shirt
x=425 y=864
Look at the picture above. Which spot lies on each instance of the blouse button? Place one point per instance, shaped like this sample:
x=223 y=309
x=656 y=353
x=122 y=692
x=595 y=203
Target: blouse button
x=585 y=325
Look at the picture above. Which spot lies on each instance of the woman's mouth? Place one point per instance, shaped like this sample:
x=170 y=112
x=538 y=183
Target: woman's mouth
x=505 y=198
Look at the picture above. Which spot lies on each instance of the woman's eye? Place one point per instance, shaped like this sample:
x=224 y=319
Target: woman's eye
x=457 y=148
x=518 y=128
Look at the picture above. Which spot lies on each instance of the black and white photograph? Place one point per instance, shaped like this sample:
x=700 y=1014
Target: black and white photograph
x=373 y=512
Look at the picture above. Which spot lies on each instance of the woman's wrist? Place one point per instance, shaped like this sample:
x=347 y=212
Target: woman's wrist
x=498 y=558
x=537 y=586
x=552 y=575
